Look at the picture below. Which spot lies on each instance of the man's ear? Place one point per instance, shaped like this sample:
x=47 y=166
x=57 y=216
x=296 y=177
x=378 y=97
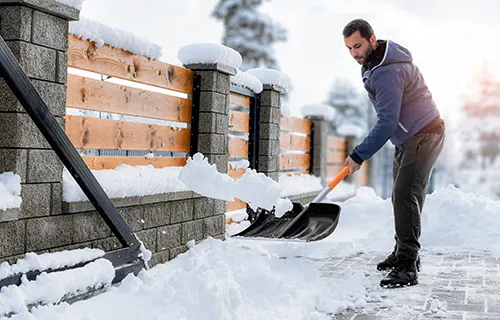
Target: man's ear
x=373 y=41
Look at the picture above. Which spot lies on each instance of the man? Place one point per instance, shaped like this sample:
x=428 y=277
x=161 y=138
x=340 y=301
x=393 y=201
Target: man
x=407 y=115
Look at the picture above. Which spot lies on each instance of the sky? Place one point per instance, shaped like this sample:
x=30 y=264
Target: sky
x=451 y=40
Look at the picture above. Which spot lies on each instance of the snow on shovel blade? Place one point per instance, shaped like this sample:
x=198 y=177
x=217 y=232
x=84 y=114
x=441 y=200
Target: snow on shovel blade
x=317 y=222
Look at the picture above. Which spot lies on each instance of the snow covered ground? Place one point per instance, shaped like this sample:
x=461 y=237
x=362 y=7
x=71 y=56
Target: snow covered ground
x=262 y=279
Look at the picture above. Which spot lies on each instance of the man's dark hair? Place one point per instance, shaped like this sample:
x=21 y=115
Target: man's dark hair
x=364 y=28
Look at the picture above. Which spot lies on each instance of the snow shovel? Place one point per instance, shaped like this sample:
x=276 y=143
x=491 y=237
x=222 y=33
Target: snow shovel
x=311 y=223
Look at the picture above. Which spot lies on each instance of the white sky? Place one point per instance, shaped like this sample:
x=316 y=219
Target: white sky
x=449 y=39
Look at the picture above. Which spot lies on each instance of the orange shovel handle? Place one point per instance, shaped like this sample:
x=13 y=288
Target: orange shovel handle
x=339 y=178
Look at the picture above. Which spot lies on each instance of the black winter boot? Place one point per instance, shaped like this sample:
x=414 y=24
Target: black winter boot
x=404 y=274
x=391 y=261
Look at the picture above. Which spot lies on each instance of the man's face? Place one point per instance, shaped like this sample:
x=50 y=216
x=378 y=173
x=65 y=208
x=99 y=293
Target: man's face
x=359 y=47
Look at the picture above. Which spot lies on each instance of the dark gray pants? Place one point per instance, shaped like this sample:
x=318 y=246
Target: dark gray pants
x=412 y=168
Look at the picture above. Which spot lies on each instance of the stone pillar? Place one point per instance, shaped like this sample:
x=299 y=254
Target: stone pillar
x=269 y=134
x=213 y=125
x=37 y=33
x=319 y=145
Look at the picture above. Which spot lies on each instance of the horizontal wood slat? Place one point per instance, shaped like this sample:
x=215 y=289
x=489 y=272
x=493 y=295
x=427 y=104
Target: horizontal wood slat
x=239 y=99
x=294 y=124
x=238 y=121
x=294 y=161
x=90 y=94
x=93 y=133
x=237 y=148
x=119 y=63
x=336 y=143
x=235 y=173
x=293 y=142
x=109 y=162
x=235 y=205
x=336 y=157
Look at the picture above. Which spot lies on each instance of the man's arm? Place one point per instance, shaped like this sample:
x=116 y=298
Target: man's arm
x=388 y=87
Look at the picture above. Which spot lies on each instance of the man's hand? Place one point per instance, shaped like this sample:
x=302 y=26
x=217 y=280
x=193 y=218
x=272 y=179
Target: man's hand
x=353 y=166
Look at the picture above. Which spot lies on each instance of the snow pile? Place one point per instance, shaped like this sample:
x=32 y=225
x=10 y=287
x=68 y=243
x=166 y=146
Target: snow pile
x=254 y=188
x=350 y=129
x=102 y=34
x=451 y=220
x=246 y=80
x=319 y=110
x=298 y=184
x=209 y=53
x=46 y=261
x=77 y=4
x=49 y=288
x=271 y=77
x=127 y=181
x=10 y=191
x=224 y=280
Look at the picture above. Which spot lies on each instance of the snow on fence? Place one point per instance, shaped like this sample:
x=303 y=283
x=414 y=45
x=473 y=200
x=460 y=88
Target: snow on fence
x=295 y=145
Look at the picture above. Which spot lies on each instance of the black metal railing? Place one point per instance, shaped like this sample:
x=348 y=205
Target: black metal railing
x=23 y=89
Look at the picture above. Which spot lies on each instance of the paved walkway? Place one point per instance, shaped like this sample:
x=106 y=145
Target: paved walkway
x=451 y=286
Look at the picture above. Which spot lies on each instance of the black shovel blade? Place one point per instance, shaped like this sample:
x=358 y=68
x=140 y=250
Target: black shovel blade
x=266 y=224
x=316 y=222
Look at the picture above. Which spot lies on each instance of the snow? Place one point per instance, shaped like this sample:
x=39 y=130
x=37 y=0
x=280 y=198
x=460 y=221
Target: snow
x=101 y=34
x=127 y=181
x=349 y=129
x=271 y=77
x=261 y=279
x=209 y=53
x=52 y=287
x=246 y=80
x=319 y=110
x=55 y=260
x=254 y=188
x=77 y=4
x=10 y=191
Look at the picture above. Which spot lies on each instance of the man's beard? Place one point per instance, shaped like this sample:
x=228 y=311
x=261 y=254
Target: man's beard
x=366 y=55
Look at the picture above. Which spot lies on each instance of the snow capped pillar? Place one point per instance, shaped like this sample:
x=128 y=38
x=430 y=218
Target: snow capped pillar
x=37 y=33
x=274 y=84
x=214 y=64
x=321 y=116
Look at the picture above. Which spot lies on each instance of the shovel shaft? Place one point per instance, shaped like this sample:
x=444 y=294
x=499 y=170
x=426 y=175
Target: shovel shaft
x=339 y=178
x=332 y=184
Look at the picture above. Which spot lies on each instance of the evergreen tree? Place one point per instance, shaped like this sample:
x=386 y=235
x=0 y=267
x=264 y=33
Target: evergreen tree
x=351 y=107
x=249 y=32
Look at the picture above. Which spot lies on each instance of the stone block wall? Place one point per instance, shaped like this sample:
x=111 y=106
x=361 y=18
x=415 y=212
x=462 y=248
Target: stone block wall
x=37 y=34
